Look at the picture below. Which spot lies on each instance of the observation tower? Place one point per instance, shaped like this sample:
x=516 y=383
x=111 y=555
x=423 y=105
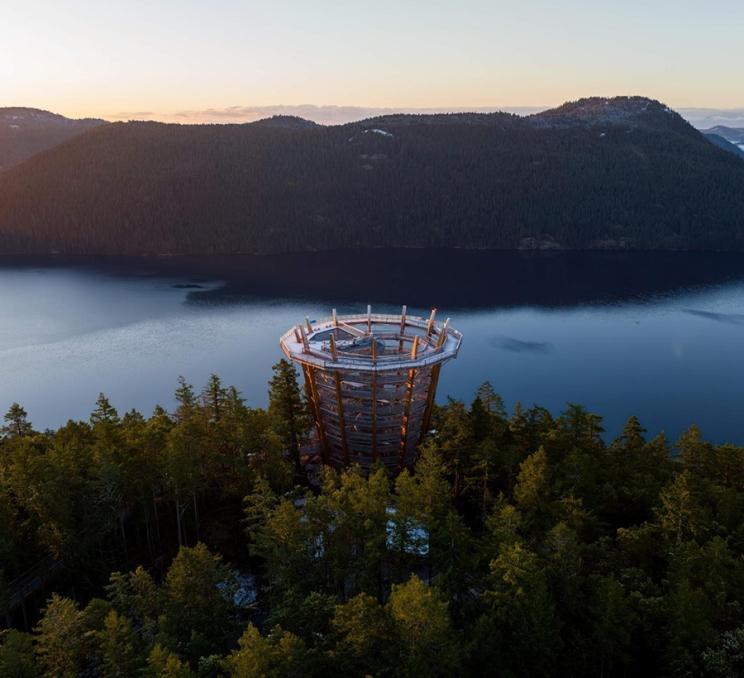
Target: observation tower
x=371 y=381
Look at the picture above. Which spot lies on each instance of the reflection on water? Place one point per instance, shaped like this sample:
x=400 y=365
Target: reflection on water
x=732 y=318
x=620 y=333
x=521 y=346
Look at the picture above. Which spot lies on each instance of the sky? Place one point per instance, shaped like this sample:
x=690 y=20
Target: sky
x=208 y=59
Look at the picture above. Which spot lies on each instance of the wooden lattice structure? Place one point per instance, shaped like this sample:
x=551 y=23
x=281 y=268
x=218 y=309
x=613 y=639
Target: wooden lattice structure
x=371 y=380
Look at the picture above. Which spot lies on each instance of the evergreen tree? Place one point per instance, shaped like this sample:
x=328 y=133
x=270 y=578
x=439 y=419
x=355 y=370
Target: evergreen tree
x=532 y=491
x=120 y=647
x=366 y=641
x=197 y=612
x=726 y=658
x=522 y=616
x=680 y=514
x=288 y=409
x=279 y=655
x=59 y=638
x=104 y=413
x=161 y=663
x=17 y=658
x=422 y=622
x=135 y=596
x=490 y=400
x=186 y=400
x=214 y=397
x=16 y=422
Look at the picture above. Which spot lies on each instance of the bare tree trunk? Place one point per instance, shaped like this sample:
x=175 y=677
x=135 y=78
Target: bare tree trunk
x=196 y=516
x=296 y=453
x=457 y=476
x=157 y=520
x=123 y=535
x=485 y=495
x=148 y=528
x=178 y=521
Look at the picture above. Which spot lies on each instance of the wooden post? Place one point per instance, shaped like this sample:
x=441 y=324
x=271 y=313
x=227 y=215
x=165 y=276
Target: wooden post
x=335 y=317
x=341 y=420
x=307 y=323
x=406 y=417
x=369 y=319
x=430 y=396
x=315 y=399
x=430 y=324
x=305 y=345
x=407 y=406
x=334 y=352
x=443 y=334
x=374 y=401
x=402 y=327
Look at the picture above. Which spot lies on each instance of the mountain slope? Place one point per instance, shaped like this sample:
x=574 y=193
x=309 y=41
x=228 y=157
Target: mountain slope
x=617 y=173
x=734 y=135
x=721 y=142
x=633 y=112
x=27 y=131
x=731 y=135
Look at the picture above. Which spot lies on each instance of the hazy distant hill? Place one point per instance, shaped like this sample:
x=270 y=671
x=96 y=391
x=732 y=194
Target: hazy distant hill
x=734 y=136
x=722 y=142
x=619 y=173
x=27 y=131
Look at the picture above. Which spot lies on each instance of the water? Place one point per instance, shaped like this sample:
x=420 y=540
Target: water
x=655 y=335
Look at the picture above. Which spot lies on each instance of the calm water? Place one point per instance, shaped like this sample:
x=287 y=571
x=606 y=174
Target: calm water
x=659 y=336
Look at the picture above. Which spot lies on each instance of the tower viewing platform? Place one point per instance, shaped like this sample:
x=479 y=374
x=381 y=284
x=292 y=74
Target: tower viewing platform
x=371 y=381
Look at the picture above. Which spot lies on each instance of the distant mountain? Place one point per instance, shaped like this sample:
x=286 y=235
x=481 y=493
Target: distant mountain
x=618 y=173
x=634 y=112
x=285 y=121
x=730 y=139
x=734 y=135
x=27 y=131
x=726 y=145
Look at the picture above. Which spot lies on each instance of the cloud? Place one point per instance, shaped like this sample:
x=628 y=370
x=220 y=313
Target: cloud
x=702 y=118
x=705 y=118
x=323 y=114
x=130 y=115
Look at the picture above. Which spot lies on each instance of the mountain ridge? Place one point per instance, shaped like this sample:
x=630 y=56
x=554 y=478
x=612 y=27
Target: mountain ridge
x=631 y=175
x=735 y=135
x=725 y=144
x=25 y=131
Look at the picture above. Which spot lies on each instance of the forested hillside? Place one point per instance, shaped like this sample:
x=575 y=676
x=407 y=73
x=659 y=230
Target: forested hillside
x=619 y=173
x=734 y=135
x=725 y=144
x=523 y=545
x=27 y=131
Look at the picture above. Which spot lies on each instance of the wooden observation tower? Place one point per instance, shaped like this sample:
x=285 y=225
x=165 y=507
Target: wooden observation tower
x=371 y=380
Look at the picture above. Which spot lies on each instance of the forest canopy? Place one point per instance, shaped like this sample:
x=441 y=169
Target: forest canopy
x=189 y=543
x=622 y=173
